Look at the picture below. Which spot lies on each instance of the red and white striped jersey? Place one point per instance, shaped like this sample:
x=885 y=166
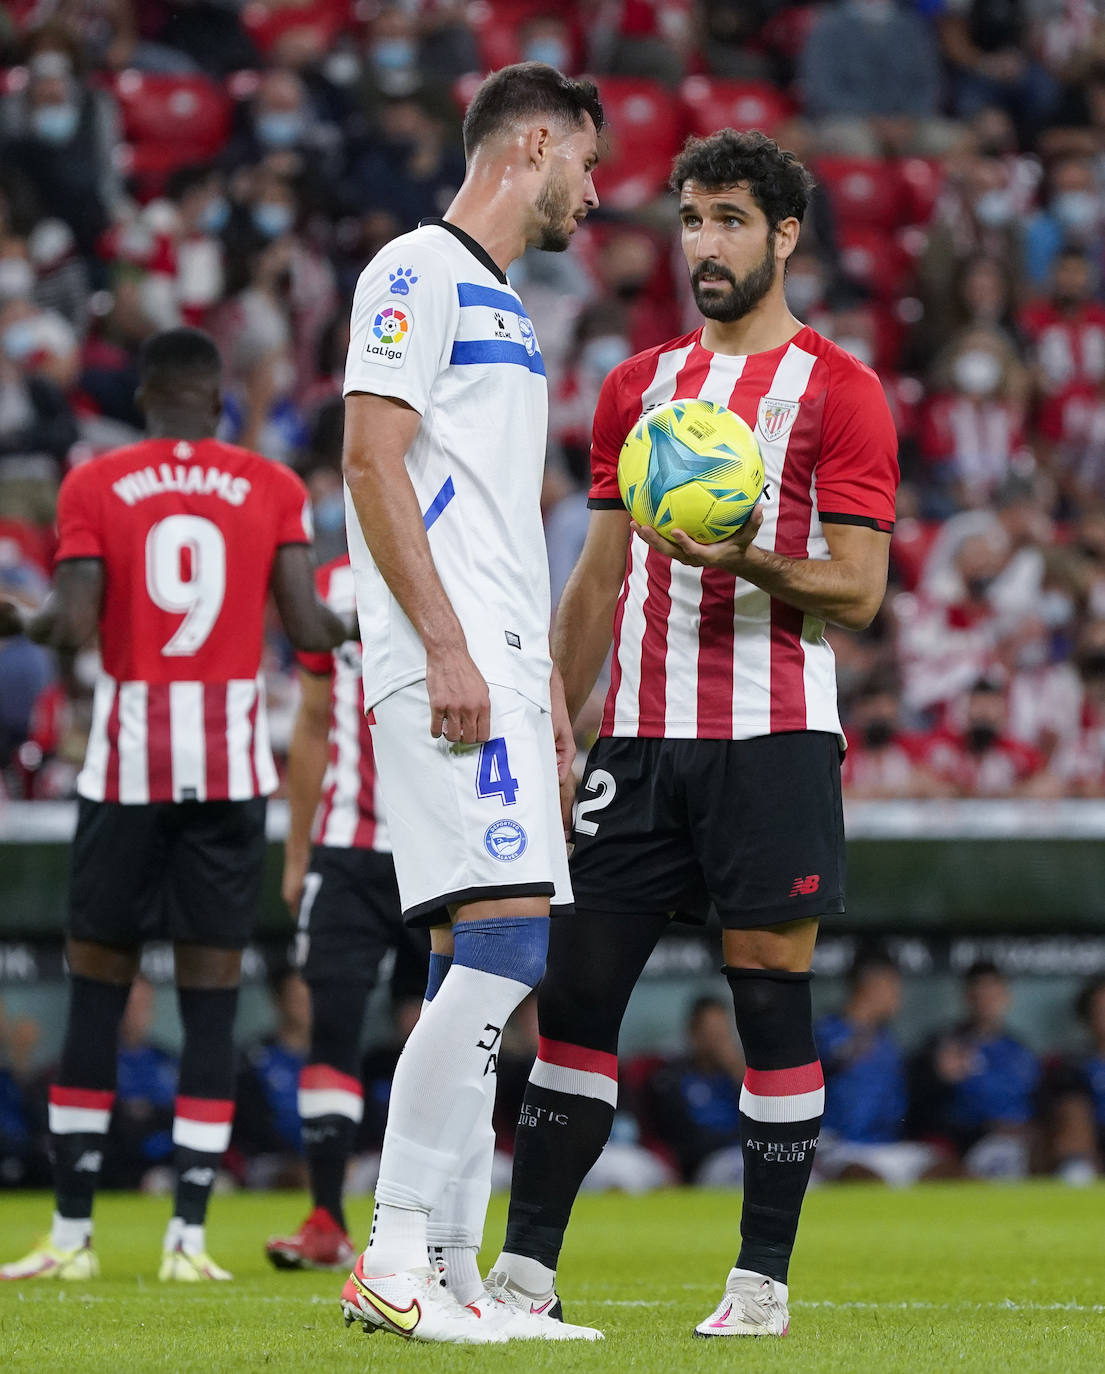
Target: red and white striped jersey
x=699 y=653
x=349 y=814
x=187 y=533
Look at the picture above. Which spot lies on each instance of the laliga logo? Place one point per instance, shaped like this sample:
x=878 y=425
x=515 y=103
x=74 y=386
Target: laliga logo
x=505 y=840
x=390 y=325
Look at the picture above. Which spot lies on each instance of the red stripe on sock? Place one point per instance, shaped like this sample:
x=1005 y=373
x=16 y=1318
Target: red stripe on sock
x=208 y=1109
x=99 y=1099
x=807 y=1078
x=316 y=1076
x=576 y=1057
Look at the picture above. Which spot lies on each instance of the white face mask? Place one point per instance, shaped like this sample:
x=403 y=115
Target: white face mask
x=977 y=372
x=994 y=209
x=17 y=279
x=1076 y=209
x=600 y=356
x=859 y=347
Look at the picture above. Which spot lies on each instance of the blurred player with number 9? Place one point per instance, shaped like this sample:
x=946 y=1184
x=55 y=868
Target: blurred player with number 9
x=168 y=549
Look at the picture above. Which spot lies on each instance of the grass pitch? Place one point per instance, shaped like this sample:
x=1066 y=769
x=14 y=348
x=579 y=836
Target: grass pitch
x=956 y=1277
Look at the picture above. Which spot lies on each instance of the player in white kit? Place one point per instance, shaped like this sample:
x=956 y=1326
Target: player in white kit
x=446 y=411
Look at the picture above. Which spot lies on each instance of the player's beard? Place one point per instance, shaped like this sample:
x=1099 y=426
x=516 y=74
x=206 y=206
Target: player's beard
x=554 y=213
x=744 y=295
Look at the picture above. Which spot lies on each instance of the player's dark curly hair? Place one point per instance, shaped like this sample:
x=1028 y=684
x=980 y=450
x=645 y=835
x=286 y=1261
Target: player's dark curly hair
x=524 y=91
x=779 y=183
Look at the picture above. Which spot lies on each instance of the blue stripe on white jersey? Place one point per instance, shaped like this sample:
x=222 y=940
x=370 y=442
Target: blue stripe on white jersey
x=467 y=351
x=472 y=293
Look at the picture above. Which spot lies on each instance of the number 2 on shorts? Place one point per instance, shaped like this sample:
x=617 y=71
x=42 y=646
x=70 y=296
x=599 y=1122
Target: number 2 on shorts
x=494 y=778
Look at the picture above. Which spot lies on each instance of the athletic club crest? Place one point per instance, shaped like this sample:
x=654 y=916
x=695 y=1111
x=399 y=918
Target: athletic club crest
x=774 y=417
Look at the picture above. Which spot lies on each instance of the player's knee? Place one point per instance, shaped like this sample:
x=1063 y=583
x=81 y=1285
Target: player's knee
x=513 y=947
x=205 y=966
x=101 y=963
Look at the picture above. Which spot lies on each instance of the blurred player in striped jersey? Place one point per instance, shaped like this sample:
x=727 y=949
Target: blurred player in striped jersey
x=716 y=779
x=350 y=918
x=168 y=549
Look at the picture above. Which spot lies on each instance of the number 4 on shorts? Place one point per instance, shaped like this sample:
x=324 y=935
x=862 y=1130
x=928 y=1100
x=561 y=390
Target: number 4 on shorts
x=494 y=778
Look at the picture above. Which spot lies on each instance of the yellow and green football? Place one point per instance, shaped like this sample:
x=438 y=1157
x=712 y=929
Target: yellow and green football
x=694 y=466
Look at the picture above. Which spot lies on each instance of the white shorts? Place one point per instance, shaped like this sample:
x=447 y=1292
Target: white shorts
x=470 y=822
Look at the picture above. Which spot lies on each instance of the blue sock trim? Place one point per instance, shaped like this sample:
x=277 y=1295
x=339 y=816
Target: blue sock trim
x=440 y=965
x=508 y=946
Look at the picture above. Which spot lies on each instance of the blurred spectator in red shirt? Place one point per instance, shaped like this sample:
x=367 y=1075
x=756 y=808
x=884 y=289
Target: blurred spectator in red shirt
x=882 y=759
x=650 y=38
x=980 y=758
x=973 y=427
x=1080 y=761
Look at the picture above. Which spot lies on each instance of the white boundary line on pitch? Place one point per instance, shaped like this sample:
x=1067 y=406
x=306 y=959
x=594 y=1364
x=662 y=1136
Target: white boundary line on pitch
x=315 y=1300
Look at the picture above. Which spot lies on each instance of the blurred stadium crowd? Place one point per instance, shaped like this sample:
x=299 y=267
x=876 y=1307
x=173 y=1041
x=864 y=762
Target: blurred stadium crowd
x=234 y=165
x=972 y=1100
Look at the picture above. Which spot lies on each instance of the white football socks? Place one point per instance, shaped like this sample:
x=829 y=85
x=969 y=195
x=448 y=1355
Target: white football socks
x=179 y=1235
x=438 y=1100
x=70 y=1233
x=456 y=1223
x=529 y=1275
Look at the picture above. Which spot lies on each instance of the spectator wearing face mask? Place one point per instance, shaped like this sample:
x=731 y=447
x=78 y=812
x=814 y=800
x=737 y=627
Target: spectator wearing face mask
x=883 y=760
x=202 y=214
x=1073 y=216
x=412 y=163
x=1080 y=760
x=973 y=427
x=980 y=758
x=394 y=67
x=280 y=130
x=62 y=138
x=548 y=38
x=979 y=213
x=870 y=78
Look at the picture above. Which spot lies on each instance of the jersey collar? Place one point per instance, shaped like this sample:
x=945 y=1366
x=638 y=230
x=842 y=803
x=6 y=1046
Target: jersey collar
x=477 y=250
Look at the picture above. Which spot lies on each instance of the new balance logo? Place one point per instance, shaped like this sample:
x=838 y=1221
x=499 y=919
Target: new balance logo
x=805 y=887
x=198 y=1177
x=89 y=1162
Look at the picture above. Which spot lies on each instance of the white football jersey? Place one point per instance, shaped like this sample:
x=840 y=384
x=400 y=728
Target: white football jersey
x=436 y=324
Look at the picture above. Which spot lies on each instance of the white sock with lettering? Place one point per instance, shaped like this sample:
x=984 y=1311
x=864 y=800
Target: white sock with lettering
x=438 y=1100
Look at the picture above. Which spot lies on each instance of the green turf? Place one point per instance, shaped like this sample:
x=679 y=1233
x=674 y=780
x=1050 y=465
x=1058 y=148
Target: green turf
x=955 y=1277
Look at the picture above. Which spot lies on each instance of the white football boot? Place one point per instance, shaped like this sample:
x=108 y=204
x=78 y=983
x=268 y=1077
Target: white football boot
x=752 y=1305
x=526 y=1316
x=46 y=1261
x=414 y=1304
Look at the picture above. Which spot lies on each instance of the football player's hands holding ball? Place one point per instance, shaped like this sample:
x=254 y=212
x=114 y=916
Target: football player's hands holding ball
x=728 y=554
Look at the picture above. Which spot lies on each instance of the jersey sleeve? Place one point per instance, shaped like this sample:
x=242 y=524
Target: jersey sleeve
x=80 y=527
x=400 y=342
x=608 y=431
x=294 y=524
x=321 y=665
x=857 y=472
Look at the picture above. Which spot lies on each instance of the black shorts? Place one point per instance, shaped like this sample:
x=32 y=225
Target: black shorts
x=753 y=827
x=181 y=871
x=350 y=918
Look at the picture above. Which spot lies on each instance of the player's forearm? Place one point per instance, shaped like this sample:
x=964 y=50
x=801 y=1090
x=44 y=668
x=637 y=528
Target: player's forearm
x=392 y=525
x=307 y=758
x=831 y=589
x=581 y=636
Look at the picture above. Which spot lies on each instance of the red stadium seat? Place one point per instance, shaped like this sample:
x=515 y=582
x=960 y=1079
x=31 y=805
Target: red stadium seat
x=267 y=22
x=643 y=134
x=170 y=121
x=921 y=180
x=876 y=260
x=865 y=192
x=711 y=104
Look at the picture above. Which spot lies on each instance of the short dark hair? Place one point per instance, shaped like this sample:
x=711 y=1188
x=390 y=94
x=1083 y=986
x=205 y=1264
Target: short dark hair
x=983 y=968
x=524 y=91
x=779 y=183
x=179 y=356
